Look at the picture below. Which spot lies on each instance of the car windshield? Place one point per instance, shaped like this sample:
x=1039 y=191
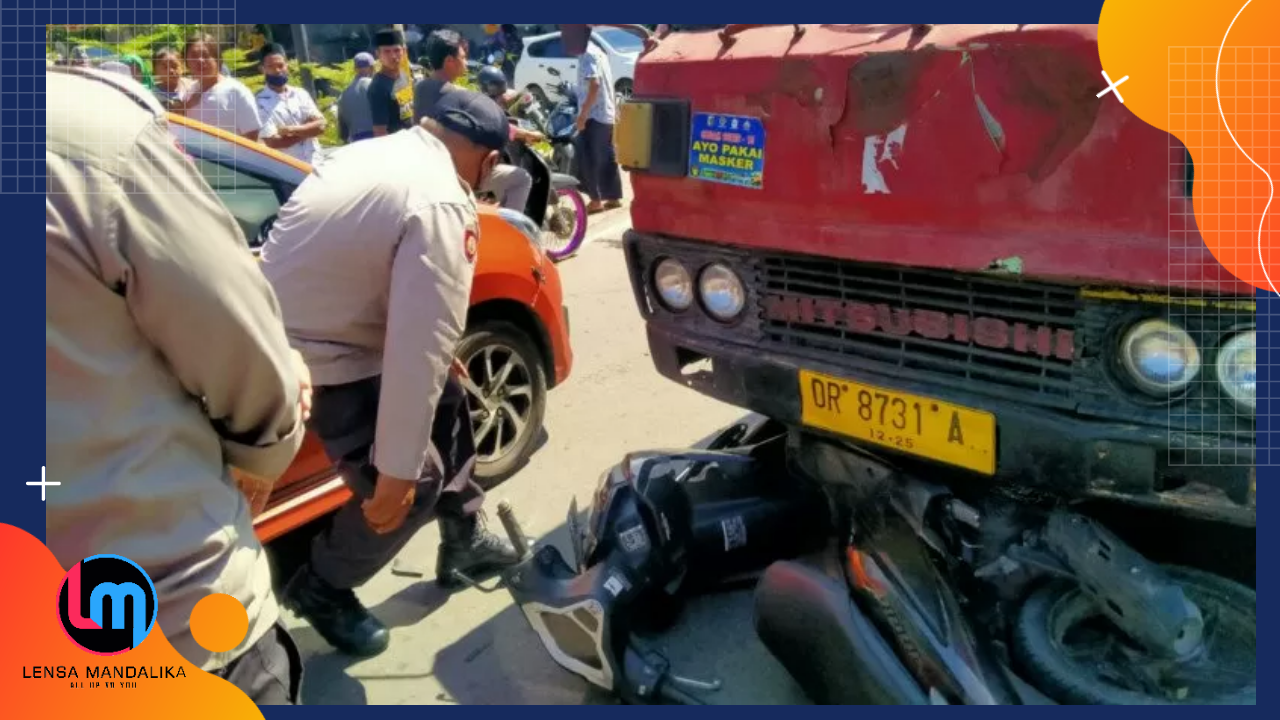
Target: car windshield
x=621 y=40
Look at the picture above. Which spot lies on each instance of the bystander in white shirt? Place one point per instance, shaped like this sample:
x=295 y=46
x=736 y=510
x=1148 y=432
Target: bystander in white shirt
x=228 y=105
x=289 y=107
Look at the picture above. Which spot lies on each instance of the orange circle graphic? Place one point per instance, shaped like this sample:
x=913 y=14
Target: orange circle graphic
x=219 y=623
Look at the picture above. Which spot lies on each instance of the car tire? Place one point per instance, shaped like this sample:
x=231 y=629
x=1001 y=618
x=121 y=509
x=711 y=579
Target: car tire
x=505 y=339
x=538 y=95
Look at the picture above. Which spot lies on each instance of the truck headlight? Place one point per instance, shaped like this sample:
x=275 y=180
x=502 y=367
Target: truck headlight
x=1238 y=369
x=675 y=287
x=722 y=293
x=1161 y=358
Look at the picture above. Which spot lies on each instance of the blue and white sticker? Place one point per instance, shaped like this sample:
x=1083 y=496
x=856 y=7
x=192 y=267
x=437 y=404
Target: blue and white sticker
x=727 y=149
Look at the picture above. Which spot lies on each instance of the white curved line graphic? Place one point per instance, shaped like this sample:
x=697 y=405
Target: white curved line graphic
x=1263 y=223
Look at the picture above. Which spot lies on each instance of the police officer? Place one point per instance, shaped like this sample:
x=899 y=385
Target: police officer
x=373 y=263
x=167 y=359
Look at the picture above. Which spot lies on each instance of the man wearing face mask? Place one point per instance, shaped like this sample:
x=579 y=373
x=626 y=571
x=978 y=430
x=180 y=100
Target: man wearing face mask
x=372 y=261
x=291 y=122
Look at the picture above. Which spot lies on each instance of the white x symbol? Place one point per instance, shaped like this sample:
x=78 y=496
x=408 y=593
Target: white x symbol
x=1113 y=86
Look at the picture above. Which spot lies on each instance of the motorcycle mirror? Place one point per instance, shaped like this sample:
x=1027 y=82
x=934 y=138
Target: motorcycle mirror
x=554 y=72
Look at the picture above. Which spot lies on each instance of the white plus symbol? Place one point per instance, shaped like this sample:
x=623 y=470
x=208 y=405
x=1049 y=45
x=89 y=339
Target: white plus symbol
x=1113 y=86
x=43 y=484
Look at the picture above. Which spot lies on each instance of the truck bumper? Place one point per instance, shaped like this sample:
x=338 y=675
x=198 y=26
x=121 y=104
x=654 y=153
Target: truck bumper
x=1053 y=451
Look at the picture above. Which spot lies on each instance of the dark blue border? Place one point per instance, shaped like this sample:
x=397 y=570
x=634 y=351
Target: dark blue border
x=22 y=177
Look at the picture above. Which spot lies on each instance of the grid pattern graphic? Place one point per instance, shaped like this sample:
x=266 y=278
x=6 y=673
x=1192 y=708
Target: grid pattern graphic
x=27 y=31
x=1227 y=189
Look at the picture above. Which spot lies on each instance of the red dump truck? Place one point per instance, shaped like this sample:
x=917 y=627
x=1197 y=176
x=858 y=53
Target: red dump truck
x=940 y=242
x=965 y=289
x=965 y=280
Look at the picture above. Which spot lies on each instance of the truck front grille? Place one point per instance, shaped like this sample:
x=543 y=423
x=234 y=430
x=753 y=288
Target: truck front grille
x=991 y=335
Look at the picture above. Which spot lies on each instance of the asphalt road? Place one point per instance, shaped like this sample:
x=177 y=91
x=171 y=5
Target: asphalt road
x=473 y=648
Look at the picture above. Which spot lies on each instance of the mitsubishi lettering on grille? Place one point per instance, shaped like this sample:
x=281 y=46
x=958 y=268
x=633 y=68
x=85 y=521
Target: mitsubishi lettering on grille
x=987 y=332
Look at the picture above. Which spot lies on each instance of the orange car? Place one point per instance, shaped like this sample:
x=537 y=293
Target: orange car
x=516 y=346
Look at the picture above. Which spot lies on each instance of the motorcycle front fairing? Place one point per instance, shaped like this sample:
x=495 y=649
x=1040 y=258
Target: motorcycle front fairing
x=520 y=155
x=576 y=616
x=642 y=533
x=584 y=615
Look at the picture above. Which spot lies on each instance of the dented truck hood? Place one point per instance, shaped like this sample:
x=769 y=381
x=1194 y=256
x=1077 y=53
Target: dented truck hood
x=965 y=147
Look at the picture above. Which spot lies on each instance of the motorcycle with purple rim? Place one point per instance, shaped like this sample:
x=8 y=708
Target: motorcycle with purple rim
x=555 y=204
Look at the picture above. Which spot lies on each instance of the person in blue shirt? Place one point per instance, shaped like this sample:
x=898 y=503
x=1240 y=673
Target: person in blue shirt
x=597 y=113
x=355 y=116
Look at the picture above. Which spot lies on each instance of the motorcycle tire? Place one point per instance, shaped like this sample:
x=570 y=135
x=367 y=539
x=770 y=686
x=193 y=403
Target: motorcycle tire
x=1072 y=682
x=560 y=251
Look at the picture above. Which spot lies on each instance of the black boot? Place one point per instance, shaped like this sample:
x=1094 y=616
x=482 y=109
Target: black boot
x=336 y=614
x=467 y=547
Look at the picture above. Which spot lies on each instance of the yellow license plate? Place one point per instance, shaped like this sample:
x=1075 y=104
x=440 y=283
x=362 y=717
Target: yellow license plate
x=911 y=424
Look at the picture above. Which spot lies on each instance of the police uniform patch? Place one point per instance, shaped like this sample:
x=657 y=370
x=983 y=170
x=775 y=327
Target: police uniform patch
x=471 y=244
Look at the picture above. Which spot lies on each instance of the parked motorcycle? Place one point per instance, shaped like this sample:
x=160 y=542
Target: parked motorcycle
x=562 y=129
x=555 y=204
x=930 y=594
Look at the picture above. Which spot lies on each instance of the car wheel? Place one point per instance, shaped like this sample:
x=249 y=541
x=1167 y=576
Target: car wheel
x=507 y=394
x=538 y=95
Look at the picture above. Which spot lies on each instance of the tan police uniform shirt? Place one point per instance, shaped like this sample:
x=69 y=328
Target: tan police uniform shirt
x=372 y=259
x=165 y=360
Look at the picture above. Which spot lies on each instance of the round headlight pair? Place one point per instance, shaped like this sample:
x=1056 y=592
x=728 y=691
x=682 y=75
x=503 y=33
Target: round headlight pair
x=1162 y=360
x=1237 y=368
x=719 y=288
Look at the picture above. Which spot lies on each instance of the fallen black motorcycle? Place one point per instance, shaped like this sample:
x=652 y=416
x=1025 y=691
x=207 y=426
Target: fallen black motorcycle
x=880 y=587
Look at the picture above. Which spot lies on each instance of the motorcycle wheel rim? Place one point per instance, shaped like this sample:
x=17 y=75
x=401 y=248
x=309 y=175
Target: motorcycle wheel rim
x=1078 y=629
x=568 y=217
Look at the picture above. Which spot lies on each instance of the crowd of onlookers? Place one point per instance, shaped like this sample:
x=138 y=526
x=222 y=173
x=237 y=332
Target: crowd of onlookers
x=193 y=81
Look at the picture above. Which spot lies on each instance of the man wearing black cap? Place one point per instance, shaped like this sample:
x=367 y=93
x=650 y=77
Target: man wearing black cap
x=372 y=262
x=389 y=114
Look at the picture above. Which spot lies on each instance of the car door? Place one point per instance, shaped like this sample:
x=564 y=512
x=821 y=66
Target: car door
x=251 y=185
x=545 y=65
x=253 y=201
